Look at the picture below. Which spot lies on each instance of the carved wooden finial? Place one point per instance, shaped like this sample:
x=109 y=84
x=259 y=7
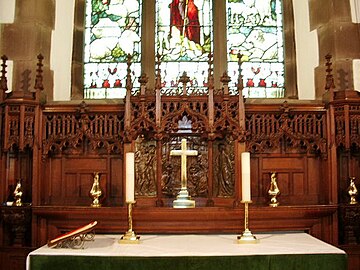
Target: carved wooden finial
x=3 y=79
x=240 y=86
x=158 y=71
x=39 y=77
x=83 y=107
x=329 y=76
x=143 y=80
x=210 y=72
x=184 y=79
x=225 y=79
x=128 y=73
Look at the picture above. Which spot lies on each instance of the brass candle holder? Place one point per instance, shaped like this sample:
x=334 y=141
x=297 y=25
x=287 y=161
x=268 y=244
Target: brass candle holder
x=130 y=236
x=352 y=191
x=96 y=191
x=18 y=194
x=274 y=191
x=247 y=237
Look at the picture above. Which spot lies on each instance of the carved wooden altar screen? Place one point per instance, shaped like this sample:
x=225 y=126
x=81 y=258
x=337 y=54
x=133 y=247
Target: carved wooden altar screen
x=210 y=120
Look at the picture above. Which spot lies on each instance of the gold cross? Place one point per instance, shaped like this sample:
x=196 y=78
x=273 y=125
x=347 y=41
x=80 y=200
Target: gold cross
x=183 y=153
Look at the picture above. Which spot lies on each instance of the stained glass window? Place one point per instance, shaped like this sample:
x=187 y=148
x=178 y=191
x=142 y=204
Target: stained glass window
x=112 y=31
x=255 y=29
x=183 y=40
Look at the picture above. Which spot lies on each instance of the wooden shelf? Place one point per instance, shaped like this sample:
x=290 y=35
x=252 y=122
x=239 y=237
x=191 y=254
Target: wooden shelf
x=58 y=219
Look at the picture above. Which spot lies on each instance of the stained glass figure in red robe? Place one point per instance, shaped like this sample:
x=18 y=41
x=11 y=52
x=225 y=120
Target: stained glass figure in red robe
x=184 y=15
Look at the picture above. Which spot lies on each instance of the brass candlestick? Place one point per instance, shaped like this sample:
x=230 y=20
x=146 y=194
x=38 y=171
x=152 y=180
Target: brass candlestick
x=247 y=237
x=352 y=190
x=95 y=191
x=130 y=236
x=18 y=193
x=274 y=191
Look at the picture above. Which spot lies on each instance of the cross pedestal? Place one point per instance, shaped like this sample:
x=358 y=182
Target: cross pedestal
x=183 y=200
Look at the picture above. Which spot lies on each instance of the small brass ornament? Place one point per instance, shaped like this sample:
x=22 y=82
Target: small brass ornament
x=274 y=191
x=18 y=193
x=352 y=190
x=96 y=191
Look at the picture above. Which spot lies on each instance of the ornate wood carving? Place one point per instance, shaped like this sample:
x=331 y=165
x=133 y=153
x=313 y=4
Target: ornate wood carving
x=345 y=107
x=73 y=130
x=174 y=111
x=347 y=125
x=20 y=111
x=227 y=118
x=224 y=169
x=292 y=138
x=3 y=79
x=20 y=126
x=142 y=118
x=198 y=167
x=145 y=168
x=287 y=129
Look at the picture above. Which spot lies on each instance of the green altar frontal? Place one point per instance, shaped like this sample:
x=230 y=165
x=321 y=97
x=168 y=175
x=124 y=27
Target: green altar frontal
x=194 y=252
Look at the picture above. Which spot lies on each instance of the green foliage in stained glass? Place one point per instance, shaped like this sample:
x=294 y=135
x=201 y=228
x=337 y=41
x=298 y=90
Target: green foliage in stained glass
x=112 y=31
x=255 y=29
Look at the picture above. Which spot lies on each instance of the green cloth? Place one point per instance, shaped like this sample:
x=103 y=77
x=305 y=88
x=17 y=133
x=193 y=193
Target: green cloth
x=256 y=262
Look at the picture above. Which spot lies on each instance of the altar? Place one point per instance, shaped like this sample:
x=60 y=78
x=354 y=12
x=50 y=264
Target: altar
x=292 y=250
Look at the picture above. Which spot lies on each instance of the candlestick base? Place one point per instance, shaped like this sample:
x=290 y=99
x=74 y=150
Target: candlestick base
x=183 y=200
x=247 y=238
x=129 y=238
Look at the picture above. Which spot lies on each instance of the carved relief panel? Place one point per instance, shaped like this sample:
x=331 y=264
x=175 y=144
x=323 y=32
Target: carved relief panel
x=145 y=168
x=197 y=167
x=224 y=168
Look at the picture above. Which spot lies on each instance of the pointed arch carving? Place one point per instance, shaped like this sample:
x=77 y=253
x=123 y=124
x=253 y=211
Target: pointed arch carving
x=196 y=112
x=74 y=131
x=287 y=129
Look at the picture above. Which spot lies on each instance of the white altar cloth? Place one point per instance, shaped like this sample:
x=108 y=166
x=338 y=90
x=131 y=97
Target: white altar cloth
x=196 y=245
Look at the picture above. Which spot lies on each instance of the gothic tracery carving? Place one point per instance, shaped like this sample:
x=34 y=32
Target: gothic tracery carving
x=71 y=130
x=303 y=131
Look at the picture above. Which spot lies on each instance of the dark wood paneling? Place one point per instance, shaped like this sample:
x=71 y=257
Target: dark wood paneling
x=295 y=178
x=70 y=179
x=13 y=258
x=54 y=220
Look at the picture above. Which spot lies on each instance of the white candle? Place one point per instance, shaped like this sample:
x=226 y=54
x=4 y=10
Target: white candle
x=245 y=176
x=130 y=177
